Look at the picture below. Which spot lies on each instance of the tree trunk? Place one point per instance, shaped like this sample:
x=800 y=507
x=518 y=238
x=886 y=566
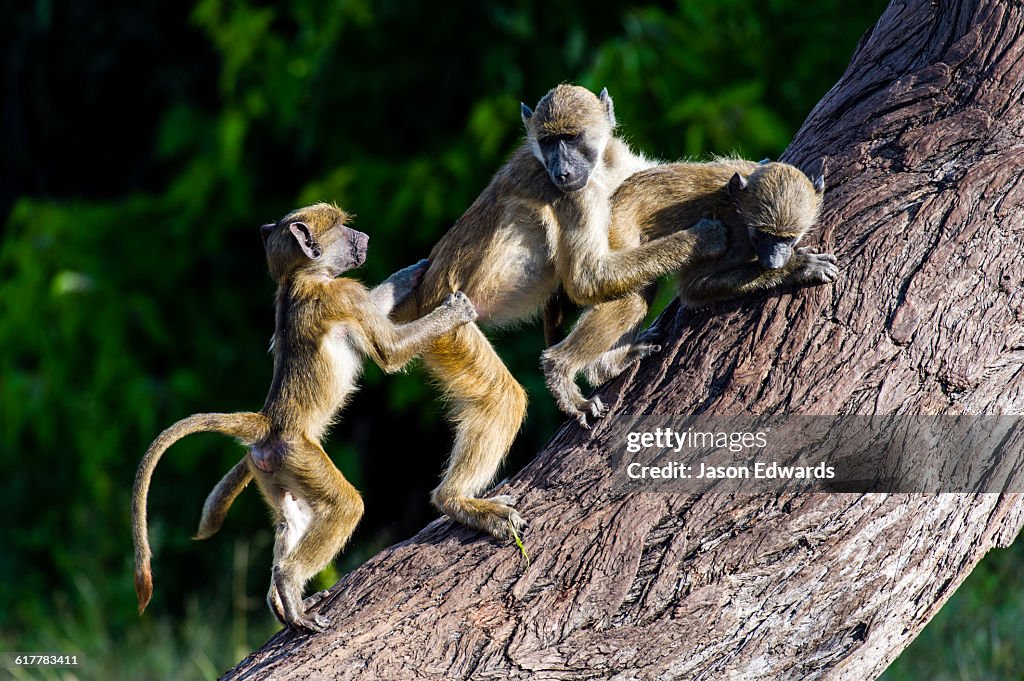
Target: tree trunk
x=922 y=138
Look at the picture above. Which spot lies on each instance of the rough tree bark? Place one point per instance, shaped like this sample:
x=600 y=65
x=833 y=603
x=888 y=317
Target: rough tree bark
x=922 y=137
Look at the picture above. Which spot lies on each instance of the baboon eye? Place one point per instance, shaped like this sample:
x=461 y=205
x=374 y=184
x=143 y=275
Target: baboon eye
x=555 y=139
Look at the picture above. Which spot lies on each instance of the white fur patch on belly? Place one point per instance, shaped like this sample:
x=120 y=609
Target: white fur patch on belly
x=297 y=517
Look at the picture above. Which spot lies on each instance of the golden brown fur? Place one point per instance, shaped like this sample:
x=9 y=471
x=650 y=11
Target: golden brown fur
x=324 y=326
x=521 y=239
x=776 y=200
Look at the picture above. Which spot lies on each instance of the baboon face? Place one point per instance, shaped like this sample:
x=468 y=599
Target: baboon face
x=568 y=133
x=773 y=252
x=316 y=238
x=569 y=160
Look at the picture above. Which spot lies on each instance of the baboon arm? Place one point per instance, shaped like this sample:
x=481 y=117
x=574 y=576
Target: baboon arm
x=805 y=267
x=597 y=277
x=392 y=345
x=727 y=283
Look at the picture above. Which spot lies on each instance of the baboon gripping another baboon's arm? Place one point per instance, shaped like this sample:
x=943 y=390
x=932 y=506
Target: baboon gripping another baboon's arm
x=766 y=209
x=324 y=327
x=542 y=222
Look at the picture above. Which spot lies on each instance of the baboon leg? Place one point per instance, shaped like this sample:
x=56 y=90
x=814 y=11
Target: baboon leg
x=308 y=536
x=633 y=346
x=602 y=343
x=487 y=408
x=221 y=497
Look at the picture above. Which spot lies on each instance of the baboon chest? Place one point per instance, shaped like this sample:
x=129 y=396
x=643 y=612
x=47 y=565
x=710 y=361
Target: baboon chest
x=343 y=363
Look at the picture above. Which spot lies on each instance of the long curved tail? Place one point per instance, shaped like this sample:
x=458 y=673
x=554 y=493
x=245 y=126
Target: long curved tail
x=248 y=427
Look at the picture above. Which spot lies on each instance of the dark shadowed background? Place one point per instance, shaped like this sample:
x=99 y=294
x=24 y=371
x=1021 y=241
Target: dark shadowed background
x=143 y=145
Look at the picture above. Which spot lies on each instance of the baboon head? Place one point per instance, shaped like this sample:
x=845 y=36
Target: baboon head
x=568 y=133
x=315 y=239
x=779 y=204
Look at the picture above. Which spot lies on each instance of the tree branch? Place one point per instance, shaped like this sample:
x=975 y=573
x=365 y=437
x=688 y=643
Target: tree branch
x=922 y=138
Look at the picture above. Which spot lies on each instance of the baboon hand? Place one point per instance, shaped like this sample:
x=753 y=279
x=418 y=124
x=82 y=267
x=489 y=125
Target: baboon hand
x=399 y=286
x=460 y=304
x=416 y=272
x=712 y=241
x=814 y=268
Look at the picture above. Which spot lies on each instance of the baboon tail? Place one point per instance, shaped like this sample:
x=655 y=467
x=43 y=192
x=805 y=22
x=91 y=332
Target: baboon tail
x=248 y=427
x=220 y=499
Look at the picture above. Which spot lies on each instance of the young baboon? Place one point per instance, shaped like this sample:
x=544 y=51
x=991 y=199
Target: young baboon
x=324 y=327
x=766 y=208
x=542 y=222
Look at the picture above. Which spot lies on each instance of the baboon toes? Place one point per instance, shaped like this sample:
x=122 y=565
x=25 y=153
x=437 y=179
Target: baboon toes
x=310 y=624
x=592 y=409
x=495 y=515
x=314 y=600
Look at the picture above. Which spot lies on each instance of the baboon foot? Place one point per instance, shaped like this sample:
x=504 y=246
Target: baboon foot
x=592 y=409
x=496 y=516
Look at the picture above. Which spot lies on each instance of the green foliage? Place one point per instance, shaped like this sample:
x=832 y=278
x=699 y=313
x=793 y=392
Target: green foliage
x=150 y=140
x=978 y=633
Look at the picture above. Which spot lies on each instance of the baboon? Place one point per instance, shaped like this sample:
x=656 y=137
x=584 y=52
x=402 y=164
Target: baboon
x=324 y=326
x=541 y=223
x=766 y=209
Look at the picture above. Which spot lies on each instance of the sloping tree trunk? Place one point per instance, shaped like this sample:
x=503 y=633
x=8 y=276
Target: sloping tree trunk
x=923 y=141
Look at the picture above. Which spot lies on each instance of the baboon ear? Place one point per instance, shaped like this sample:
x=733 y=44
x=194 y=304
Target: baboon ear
x=265 y=231
x=526 y=112
x=309 y=246
x=737 y=183
x=819 y=184
x=609 y=107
